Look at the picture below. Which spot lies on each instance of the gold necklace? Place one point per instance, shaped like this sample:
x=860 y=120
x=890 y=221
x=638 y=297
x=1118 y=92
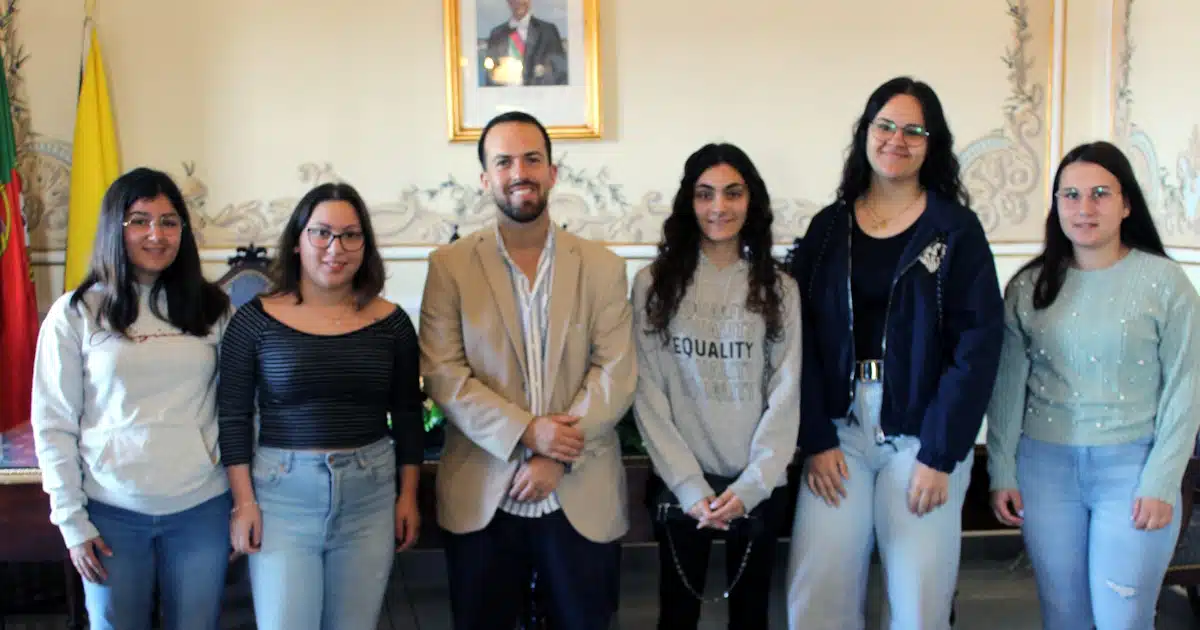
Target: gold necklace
x=880 y=222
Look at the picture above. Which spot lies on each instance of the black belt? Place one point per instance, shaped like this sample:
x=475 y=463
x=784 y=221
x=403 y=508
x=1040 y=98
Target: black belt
x=870 y=371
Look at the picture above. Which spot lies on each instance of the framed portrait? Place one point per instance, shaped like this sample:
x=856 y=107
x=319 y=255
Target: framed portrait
x=537 y=56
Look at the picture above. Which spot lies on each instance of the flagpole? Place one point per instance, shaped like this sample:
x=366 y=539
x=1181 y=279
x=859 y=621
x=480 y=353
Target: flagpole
x=89 y=8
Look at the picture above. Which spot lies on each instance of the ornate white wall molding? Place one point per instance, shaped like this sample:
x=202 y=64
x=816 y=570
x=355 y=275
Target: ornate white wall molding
x=588 y=203
x=1171 y=189
x=1005 y=170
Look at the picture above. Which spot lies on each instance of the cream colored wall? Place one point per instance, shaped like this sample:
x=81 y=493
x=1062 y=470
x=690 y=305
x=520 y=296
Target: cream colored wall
x=258 y=98
x=262 y=99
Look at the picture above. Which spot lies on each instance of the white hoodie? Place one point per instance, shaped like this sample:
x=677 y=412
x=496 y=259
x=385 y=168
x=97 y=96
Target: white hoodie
x=130 y=422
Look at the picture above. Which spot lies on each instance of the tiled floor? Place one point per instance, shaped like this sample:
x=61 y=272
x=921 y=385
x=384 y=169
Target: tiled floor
x=995 y=593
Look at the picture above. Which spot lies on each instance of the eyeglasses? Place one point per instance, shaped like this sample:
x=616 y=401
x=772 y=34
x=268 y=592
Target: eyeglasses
x=884 y=129
x=322 y=238
x=141 y=224
x=1071 y=196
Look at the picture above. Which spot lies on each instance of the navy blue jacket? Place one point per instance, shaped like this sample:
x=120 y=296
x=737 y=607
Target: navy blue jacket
x=942 y=339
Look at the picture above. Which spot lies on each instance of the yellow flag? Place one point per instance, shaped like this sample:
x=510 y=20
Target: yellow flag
x=94 y=163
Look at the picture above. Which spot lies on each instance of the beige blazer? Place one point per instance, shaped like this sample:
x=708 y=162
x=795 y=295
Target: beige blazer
x=473 y=363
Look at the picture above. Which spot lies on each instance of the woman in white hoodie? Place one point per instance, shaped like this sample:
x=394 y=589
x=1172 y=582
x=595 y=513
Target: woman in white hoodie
x=124 y=416
x=717 y=329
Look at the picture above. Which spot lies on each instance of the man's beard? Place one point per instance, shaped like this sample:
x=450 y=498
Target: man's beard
x=526 y=212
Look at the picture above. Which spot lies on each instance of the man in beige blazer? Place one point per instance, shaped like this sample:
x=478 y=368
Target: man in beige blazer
x=527 y=345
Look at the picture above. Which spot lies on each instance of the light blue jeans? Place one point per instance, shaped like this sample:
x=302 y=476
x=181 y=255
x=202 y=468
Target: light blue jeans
x=1093 y=568
x=186 y=554
x=831 y=546
x=329 y=537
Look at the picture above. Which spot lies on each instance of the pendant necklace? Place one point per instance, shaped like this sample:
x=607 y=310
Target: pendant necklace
x=880 y=222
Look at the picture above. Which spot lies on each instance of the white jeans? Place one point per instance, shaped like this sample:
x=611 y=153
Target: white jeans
x=831 y=546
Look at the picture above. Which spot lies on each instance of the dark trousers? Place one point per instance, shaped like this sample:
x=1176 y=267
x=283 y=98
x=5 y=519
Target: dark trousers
x=490 y=571
x=748 y=602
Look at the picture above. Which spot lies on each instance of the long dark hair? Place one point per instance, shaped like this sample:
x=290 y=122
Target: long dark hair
x=193 y=303
x=939 y=172
x=285 y=272
x=679 y=249
x=1137 y=229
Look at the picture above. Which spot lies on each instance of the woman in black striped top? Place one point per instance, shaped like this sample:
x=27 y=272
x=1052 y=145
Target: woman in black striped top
x=324 y=361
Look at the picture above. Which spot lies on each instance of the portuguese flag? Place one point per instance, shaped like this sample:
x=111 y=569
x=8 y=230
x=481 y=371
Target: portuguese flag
x=18 y=304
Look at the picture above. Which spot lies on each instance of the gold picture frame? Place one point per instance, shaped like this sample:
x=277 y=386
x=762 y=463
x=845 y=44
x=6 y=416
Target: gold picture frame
x=562 y=90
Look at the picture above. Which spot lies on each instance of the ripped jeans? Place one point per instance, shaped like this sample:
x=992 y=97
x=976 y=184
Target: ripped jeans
x=1092 y=567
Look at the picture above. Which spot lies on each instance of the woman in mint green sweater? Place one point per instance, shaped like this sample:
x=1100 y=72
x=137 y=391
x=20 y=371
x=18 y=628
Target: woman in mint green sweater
x=1094 y=413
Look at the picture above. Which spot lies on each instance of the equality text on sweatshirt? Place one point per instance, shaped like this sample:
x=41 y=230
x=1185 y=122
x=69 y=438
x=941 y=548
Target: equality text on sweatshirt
x=715 y=396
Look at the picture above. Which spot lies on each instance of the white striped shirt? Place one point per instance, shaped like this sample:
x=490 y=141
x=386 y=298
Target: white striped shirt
x=533 y=307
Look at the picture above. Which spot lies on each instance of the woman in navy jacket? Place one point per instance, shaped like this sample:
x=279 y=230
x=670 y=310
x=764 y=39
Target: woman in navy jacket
x=903 y=321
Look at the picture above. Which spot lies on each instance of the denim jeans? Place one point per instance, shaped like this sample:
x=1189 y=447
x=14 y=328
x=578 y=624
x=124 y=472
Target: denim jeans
x=185 y=554
x=328 y=540
x=831 y=546
x=1091 y=565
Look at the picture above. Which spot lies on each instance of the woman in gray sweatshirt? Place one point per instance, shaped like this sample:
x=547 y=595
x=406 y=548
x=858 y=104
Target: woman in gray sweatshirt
x=125 y=421
x=717 y=330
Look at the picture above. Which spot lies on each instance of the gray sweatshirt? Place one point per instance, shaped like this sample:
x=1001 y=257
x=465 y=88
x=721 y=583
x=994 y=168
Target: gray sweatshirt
x=717 y=398
x=130 y=422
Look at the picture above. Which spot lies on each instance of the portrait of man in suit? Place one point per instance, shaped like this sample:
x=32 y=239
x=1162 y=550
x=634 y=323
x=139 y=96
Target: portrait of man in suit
x=523 y=50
